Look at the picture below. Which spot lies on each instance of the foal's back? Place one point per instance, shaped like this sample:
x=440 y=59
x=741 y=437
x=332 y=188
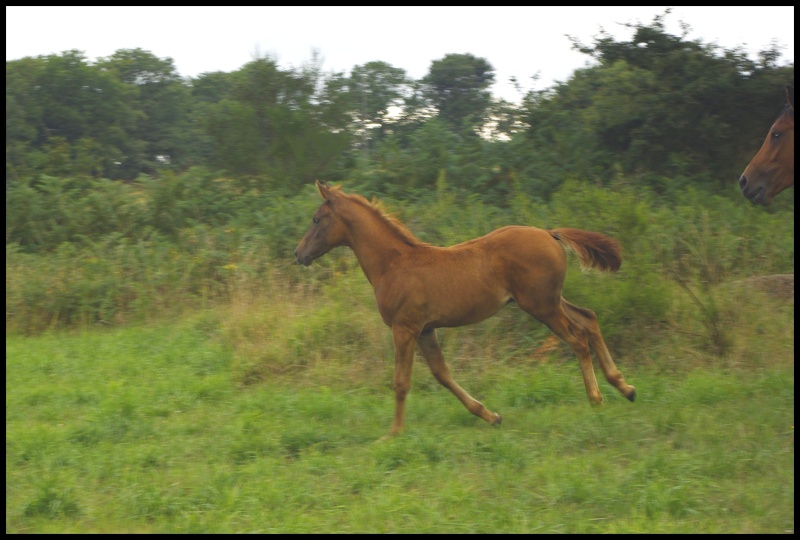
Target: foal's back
x=504 y=254
x=469 y=282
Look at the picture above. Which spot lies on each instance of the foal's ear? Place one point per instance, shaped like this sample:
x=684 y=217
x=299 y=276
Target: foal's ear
x=324 y=189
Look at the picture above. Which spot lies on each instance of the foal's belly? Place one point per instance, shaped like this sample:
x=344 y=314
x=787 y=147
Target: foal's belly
x=462 y=307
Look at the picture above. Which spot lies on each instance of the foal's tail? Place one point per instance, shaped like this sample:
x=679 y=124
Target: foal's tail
x=594 y=250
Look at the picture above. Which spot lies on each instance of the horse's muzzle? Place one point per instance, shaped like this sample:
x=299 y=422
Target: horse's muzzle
x=755 y=196
x=305 y=261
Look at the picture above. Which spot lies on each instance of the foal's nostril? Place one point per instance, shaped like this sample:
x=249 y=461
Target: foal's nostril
x=742 y=182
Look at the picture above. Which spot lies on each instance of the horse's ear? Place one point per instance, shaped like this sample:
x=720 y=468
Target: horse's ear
x=790 y=95
x=324 y=189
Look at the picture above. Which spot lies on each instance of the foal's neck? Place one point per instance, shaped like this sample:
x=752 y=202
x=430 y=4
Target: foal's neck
x=378 y=241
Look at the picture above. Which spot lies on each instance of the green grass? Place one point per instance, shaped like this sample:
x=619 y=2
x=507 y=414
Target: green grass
x=155 y=429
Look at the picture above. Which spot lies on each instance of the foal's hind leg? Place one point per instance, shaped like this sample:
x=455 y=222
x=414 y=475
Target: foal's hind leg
x=551 y=312
x=588 y=319
x=432 y=352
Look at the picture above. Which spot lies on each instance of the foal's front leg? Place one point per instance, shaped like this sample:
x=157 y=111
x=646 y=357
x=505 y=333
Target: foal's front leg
x=432 y=351
x=404 y=342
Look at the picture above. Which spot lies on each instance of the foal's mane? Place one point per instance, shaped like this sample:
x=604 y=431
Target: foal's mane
x=379 y=211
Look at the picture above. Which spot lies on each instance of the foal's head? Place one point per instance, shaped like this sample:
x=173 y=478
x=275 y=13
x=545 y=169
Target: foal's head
x=340 y=220
x=327 y=229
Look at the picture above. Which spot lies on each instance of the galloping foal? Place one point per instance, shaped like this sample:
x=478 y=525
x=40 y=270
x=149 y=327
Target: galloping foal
x=420 y=287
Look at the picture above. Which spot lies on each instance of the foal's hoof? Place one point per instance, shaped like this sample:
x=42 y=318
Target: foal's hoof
x=497 y=420
x=387 y=437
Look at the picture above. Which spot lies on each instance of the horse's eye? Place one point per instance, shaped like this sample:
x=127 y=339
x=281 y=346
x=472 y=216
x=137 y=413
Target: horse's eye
x=315 y=220
x=776 y=135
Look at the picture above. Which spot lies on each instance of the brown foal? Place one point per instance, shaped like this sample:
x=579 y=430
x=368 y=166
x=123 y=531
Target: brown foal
x=420 y=287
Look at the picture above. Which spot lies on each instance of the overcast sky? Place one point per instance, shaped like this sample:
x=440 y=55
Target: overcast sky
x=517 y=41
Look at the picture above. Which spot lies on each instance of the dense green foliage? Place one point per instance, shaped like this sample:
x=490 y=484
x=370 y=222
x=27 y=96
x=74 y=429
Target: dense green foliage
x=132 y=193
x=670 y=109
x=99 y=251
x=662 y=111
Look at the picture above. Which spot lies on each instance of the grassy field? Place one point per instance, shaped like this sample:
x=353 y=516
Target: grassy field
x=211 y=424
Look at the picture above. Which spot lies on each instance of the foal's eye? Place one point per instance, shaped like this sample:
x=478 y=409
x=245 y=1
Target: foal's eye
x=315 y=220
x=776 y=135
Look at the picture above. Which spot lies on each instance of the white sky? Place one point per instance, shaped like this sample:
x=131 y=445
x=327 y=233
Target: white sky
x=517 y=41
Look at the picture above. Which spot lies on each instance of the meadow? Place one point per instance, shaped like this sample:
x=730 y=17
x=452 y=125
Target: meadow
x=262 y=415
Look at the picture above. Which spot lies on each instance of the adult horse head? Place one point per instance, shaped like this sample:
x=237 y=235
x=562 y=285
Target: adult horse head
x=772 y=169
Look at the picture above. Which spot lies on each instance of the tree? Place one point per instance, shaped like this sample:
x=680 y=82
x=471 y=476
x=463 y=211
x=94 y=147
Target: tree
x=162 y=103
x=22 y=118
x=271 y=126
x=58 y=100
x=656 y=107
x=458 y=86
x=377 y=88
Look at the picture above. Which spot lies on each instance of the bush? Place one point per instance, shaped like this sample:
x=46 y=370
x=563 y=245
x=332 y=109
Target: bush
x=188 y=241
